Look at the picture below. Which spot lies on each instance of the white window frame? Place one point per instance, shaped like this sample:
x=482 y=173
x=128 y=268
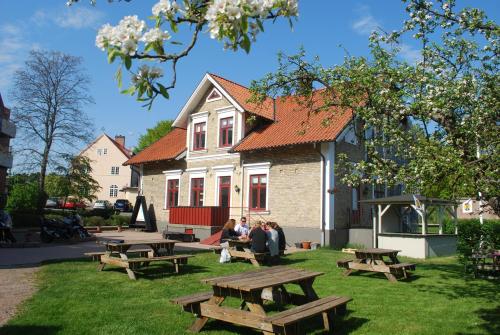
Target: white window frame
x=214 y=99
x=223 y=171
x=170 y=175
x=195 y=119
x=115 y=170
x=105 y=151
x=111 y=188
x=260 y=169
x=222 y=114
x=99 y=152
x=197 y=173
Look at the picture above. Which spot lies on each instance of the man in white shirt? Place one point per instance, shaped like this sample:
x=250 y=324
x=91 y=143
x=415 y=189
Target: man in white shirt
x=242 y=227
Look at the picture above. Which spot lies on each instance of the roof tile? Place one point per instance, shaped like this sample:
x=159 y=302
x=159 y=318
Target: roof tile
x=166 y=148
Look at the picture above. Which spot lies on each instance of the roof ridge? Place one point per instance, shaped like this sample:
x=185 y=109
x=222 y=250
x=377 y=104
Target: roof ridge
x=229 y=80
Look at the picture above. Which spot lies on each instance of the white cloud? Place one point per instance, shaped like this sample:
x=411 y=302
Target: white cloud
x=409 y=53
x=70 y=17
x=13 y=46
x=365 y=23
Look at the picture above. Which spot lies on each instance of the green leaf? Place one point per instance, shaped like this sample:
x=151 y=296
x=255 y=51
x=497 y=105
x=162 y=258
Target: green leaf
x=245 y=44
x=244 y=24
x=259 y=23
x=176 y=43
x=118 y=77
x=173 y=26
x=112 y=55
x=163 y=90
x=128 y=62
x=129 y=91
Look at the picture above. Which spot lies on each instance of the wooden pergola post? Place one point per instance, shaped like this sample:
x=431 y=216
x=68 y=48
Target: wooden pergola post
x=374 y=219
x=441 y=218
x=424 y=219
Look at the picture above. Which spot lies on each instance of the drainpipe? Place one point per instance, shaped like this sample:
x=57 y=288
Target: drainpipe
x=323 y=185
x=242 y=188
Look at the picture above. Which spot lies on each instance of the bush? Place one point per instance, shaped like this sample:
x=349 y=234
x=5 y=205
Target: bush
x=474 y=238
x=94 y=221
x=54 y=216
x=119 y=220
x=23 y=197
x=27 y=219
x=103 y=213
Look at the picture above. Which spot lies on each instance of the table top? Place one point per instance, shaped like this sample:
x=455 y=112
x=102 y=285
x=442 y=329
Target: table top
x=245 y=242
x=141 y=242
x=377 y=251
x=261 y=279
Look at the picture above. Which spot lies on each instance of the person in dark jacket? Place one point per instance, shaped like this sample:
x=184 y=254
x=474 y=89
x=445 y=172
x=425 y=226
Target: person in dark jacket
x=259 y=238
x=281 y=236
x=228 y=232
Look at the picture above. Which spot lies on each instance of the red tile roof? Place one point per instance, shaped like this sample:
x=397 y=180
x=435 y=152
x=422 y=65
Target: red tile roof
x=166 y=148
x=241 y=94
x=296 y=123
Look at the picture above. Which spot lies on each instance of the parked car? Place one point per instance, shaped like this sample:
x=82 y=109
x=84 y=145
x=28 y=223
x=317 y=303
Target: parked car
x=73 y=204
x=102 y=204
x=53 y=203
x=123 y=205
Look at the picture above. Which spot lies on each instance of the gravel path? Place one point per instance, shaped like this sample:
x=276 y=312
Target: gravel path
x=16 y=285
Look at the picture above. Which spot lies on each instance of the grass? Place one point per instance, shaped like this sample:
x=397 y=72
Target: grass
x=74 y=298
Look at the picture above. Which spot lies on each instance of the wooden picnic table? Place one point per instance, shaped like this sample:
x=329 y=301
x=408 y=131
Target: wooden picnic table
x=377 y=260
x=116 y=254
x=253 y=289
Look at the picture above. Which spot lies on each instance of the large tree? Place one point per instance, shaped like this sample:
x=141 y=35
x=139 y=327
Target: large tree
x=432 y=125
x=152 y=135
x=49 y=94
x=236 y=23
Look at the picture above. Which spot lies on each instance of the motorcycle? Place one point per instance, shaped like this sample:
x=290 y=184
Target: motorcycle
x=75 y=225
x=66 y=228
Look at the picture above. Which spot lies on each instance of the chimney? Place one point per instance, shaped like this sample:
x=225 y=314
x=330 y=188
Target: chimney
x=120 y=139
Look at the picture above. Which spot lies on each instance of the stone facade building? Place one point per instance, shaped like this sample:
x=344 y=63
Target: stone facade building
x=274 y=161
x=7 y=132
x=106 y=157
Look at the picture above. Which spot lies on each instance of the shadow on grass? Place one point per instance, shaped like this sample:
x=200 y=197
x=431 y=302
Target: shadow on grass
x=31 y=330
x=314 y=325
x=490 y=322
x=378 y=275
x=160 y=271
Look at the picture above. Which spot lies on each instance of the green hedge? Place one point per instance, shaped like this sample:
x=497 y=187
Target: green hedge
x=474 y=239
x=114 y=220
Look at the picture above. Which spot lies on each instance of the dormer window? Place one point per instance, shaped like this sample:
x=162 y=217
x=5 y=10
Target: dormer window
x=200 y=130
x=226 y=132
x=214 y=95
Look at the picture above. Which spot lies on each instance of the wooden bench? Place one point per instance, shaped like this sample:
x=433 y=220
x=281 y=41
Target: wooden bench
x=344 y=263
x=96 y=255
x=402 y=269
x=288 y=322
x=191 y=303
x=256 y=258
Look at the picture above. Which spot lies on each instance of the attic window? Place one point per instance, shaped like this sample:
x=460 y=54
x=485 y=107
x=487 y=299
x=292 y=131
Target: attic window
x=214 y=95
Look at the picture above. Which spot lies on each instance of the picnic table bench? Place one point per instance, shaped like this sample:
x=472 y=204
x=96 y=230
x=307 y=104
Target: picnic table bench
x=96 y=255
x=242 y=249
x=372 y=260
x=117 y=253
x=253 y=289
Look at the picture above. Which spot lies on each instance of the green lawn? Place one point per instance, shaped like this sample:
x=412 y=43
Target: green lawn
x=76 y=299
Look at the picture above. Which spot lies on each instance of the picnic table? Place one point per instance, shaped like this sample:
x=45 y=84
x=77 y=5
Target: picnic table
x=377 y=260
x=253 y=289
x=242 y=249
x=117 y=253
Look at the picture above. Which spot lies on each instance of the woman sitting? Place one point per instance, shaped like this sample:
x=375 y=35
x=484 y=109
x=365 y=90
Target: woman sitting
x=228 y=232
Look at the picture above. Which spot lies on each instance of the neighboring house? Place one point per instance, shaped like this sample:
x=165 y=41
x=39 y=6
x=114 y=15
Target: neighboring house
x=7 y=132
x=270 y=162
x=107 y=156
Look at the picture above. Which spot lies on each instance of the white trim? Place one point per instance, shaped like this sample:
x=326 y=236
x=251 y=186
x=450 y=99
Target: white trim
x=172 y=175
x=194 y=121
x=199 y=115
x=223 y=115
x=223 y=168
x=207 y=79
x=214 y=99
x=223 y=173
x=254 y=169
x=210 y=157
x=222 y=109
x=193 y=175
x=328 y=150
x=197 y=170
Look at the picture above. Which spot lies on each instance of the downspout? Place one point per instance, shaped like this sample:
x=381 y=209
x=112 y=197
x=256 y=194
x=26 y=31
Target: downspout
x=323 y=183
x=242 y=188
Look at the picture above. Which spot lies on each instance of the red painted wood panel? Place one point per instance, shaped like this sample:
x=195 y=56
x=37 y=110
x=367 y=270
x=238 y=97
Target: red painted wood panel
x=199 y=216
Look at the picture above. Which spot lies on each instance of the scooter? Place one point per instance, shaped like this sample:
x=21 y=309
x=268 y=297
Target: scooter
x=51 y=229
x=74 y=224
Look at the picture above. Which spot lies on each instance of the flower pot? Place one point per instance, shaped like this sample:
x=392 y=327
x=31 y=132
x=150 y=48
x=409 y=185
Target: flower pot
x=119 y=228
x=306 y=244
x=98 y=229
x=298 y=245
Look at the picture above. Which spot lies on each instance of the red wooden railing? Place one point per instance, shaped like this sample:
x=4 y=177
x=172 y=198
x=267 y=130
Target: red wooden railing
x=199 y=216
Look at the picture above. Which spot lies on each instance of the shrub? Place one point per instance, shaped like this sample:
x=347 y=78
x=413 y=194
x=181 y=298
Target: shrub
x=119 y=220
x=55 y=216
x=28 y=219
x=474 y=238
x=104 y=213
x=23 y=197
x=94 y=221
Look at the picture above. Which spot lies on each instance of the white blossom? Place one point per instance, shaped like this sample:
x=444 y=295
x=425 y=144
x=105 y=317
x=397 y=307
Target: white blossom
x=155 y=35
x=165 y=7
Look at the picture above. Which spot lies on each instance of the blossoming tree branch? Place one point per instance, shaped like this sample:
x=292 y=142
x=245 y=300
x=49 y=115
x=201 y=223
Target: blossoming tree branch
x=234 y=22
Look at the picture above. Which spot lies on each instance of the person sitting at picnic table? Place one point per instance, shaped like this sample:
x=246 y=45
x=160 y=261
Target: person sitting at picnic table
x=242 y=227
x=281 y=236
x=272 y=242
x=258 y=237
x=228 y=232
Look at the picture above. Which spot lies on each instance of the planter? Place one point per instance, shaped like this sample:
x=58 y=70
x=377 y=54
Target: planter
x=298 y=245
x=314 y=245
x=98 y=229
x=119 y=228
x=306 y=244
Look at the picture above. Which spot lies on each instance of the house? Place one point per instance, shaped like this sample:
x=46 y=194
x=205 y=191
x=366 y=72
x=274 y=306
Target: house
x=7 y=132
x=272 y=161
x=107 y=156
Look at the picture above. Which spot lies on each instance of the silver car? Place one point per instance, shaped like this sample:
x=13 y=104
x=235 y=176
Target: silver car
x=102 y=204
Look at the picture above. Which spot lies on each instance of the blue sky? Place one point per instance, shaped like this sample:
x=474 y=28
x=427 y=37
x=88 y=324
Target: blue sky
x=323 y=26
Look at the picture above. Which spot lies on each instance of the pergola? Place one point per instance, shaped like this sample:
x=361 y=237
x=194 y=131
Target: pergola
x=424 y=206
